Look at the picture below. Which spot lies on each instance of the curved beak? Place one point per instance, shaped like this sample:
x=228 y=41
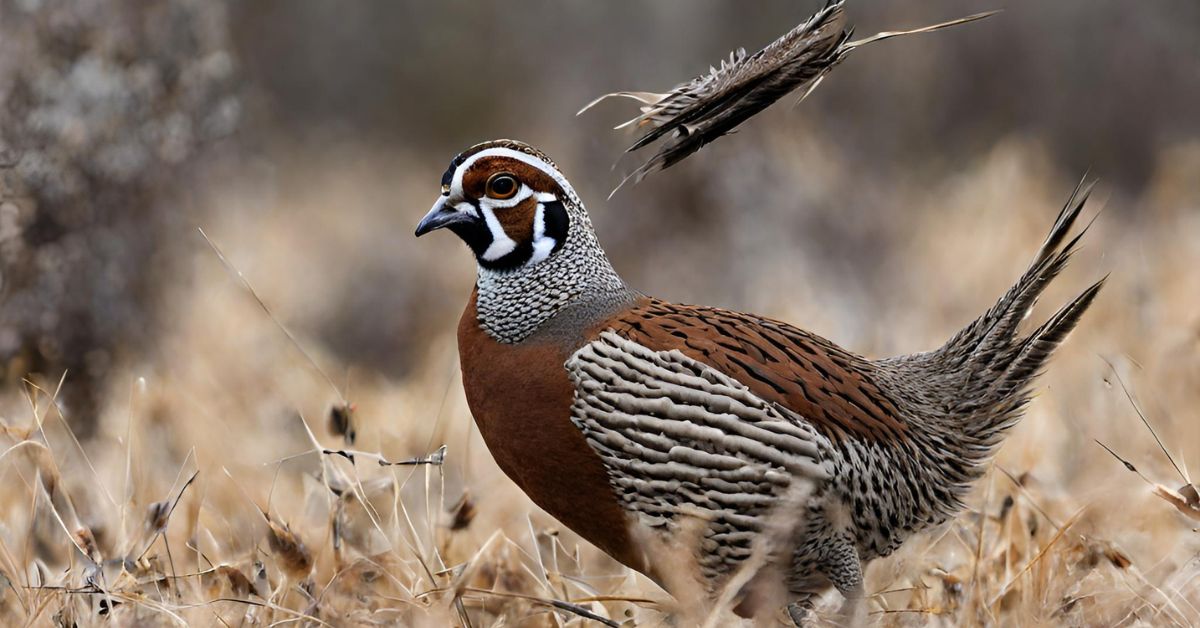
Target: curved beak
x=443 y=214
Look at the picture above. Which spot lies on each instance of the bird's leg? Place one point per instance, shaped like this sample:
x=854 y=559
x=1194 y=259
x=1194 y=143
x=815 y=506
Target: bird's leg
x=845 y=570
x=801 y=612
x=853 y=612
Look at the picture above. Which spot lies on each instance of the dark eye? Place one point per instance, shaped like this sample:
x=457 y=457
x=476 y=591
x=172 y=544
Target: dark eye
x=502 y=185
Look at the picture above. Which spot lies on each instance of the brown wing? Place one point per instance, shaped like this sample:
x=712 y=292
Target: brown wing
x=831 y=388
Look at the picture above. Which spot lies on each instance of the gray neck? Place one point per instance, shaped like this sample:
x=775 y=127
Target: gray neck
x=512 y=305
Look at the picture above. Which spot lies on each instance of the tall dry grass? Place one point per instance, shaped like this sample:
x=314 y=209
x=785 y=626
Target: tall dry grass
x=219 y=492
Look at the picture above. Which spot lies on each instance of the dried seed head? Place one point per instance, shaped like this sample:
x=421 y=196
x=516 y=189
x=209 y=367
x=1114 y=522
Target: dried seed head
x=1186 y=500
x=239 y=584
x=463 y=512
x=87 y=542
x=1117 y=557
x=1006 y=507
x=156 y=517
x=339 y=523
x=46 y=469
x=289 y=549
x=341 y=422
x=952 y=585
x=1191 y=495
x=261 y=583
x=105 y=605
x=1094 y=551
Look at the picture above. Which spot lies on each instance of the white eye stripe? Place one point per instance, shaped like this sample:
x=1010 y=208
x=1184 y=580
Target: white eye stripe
x=456 y=182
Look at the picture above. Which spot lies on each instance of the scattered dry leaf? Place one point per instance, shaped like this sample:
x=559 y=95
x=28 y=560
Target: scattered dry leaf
x=463 y=512
x=341 y=422
x=293 y=556
x=1185 y=500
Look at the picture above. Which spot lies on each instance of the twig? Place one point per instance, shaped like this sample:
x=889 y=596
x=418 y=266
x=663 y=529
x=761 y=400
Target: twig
x=1036 y=559
x=174 y=503
x=1128 y=464
x=559 y=604
x=1025 y=493
x=436 y=458
x=1128 y=396
x=249 y=288
x=916 y=31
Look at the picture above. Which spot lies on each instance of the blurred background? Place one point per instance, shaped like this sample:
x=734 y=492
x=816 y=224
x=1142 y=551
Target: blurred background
x=307 y=138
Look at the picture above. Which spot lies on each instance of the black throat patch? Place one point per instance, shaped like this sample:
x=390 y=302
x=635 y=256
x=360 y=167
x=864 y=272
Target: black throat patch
x=478 y=236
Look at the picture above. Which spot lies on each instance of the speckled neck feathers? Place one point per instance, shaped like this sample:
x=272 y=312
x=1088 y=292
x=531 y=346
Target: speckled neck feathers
x=514 y=304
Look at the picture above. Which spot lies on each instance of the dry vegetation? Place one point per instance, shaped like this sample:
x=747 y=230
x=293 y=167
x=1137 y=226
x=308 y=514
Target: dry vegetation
x=218 y=490
x=212 y=485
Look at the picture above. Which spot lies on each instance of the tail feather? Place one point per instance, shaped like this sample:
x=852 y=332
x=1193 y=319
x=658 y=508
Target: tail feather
x=979 y=380
x=1037 y=347
x=981 y=342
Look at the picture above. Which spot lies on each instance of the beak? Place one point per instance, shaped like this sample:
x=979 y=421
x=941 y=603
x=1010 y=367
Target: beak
x=443 y=214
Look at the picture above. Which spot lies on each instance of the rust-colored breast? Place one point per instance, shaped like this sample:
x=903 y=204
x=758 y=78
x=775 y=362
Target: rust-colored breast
x=520 y=396
x=828 y=386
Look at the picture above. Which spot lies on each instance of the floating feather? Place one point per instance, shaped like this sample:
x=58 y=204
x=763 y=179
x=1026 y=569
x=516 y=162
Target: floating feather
x=713 y=104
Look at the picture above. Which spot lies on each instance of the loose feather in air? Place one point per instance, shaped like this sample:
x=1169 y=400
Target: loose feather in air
x=713 y=104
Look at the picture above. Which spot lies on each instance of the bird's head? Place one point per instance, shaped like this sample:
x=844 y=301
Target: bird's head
x=507 y=201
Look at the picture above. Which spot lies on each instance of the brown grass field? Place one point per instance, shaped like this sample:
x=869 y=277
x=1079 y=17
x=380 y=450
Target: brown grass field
x=164 y=510
x=206 y=480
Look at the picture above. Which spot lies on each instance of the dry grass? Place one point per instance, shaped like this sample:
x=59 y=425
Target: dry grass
x=220 y=491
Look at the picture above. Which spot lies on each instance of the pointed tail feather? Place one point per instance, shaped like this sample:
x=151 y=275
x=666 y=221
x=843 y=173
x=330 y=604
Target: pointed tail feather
x=1037 y=347
x=979 y=381
x=986 y=337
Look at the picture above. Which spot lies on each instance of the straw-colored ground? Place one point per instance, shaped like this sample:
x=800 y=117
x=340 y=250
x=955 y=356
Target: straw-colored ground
x=160 y=519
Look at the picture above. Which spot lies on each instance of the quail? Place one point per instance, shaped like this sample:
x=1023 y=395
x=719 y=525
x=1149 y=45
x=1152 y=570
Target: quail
x=651 y=427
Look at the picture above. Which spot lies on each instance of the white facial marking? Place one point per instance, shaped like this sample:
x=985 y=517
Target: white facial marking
x=543 y=245
x=501 y=244
x=466 y=208
x=456 y=183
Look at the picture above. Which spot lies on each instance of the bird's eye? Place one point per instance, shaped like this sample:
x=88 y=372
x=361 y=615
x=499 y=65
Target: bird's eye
x=502 y=185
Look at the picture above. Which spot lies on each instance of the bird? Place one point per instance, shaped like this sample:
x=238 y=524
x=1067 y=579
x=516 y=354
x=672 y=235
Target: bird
x=711 y=105
x=641 y=423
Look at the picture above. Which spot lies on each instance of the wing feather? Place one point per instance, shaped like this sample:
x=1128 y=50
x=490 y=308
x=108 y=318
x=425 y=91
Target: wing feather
x=834 y=391
x=680 y=439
